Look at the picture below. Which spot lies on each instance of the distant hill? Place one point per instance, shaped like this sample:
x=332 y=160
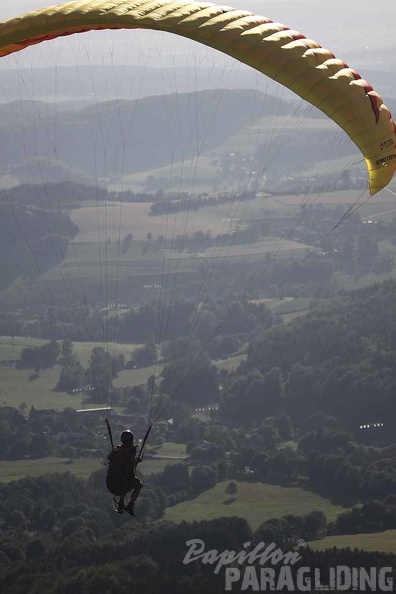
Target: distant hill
x=102 y=143
x=83 y=84
x=87 y=84
x=51 y=196
x=128 y=136
x=32 y=240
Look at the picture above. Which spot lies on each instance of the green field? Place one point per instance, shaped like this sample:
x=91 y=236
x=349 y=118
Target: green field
x=351 y=282
x=170 y=448
x=256 y=249
x=256 y=502
x=154 y=466
x=220 y=219
x=104 y=262
x=22 y=385
x=230 y=364
x=81 y=467
x=135 y=219
x=141 y=260
x=135 y=377
x=287 y=308
x=11 y=471
x=168 y=453
x=16 y=388
x=379 y=541
x=11 y=347
x=343 y=197
x=290 y=305
x=196 y=173
x=293 y=445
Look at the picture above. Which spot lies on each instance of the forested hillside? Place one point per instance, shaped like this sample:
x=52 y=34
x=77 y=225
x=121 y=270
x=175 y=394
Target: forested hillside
x=339 y=359
x=32 y=239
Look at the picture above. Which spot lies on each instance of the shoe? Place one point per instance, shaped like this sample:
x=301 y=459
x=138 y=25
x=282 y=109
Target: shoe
x=121 y=507
x=130 y=510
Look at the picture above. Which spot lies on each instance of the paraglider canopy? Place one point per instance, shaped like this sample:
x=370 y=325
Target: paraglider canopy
x=285 y=55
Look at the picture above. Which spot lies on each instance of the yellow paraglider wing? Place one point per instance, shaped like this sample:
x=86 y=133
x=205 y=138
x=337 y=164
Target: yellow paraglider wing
x=285 y=55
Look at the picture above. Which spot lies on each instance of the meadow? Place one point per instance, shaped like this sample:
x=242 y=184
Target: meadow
x=135 y=377
x=231 y=363
x=258 y=249
x=256 y=502
x=169 y=449
x=135 y=219
x=81 y=467
x=17 y=386
x=15 y=470
x=287 y=306
x=168 y=453
x=11 y=347
x=379 y=541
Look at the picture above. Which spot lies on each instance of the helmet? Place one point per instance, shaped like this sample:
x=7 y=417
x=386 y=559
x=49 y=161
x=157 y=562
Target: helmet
x=127 y=437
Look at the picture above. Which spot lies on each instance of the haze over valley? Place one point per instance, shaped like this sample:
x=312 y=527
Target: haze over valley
x=190 y=251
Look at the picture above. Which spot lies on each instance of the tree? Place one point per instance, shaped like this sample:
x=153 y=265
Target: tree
x=23 y=407
x=35 y=549
x=71 y=525
x=29 y=357
x=284 y=427
x=49 y=354
x=193 y=384
x=72 y=375
x=47 y=518
x=40 y=446
x=100 y=371
x=126 y=243
x=40 y=357
x=17 y=519
x=175 y=478
x=67 y=348
x=231 y=489
x=202 y=479
x=205 y=325
x=144 y=356
x=315 y=525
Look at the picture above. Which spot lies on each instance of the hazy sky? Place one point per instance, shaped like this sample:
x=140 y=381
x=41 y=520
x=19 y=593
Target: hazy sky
x=355 y=30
